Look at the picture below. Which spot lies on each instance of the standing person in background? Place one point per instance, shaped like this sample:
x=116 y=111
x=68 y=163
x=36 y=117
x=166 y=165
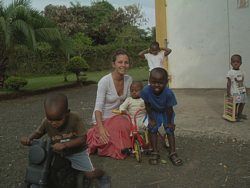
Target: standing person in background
x=236 y=86
x=155 y=55
x=110 y=135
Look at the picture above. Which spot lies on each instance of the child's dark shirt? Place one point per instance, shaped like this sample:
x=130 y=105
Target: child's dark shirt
x=72 y=128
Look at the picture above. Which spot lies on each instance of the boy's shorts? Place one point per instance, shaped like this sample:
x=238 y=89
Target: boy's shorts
x=81 y=161
x=161 y=119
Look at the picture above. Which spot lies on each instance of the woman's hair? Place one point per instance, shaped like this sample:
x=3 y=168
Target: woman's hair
x=119 y=52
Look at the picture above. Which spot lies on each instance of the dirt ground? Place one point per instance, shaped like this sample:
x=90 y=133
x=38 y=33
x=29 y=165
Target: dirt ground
x=215 y=152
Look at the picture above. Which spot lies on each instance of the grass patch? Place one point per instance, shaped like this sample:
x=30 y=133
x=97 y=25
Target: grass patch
x=139 y=73
x=6 y=91
x=43 y=82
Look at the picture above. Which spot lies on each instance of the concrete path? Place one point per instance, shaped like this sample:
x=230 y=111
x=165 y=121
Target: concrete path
x=199 y=113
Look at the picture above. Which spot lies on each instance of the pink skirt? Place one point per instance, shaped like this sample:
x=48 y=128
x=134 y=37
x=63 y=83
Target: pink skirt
x=118 y=128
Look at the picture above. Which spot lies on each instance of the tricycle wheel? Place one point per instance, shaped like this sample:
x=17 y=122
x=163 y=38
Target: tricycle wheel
x=137 y=151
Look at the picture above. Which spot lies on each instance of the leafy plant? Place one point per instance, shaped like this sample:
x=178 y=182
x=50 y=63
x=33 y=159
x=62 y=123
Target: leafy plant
x=15 y=83
x=77 y=65
x=20 y=24
x=80 y=43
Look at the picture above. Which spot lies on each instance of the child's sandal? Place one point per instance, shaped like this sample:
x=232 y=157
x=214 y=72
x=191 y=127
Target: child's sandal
x=154 y=159
x=175 y=159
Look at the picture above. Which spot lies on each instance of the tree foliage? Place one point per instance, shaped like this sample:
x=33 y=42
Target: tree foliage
x=101 y=21
x=20 y=24
x=80 y=43
x=69 y=20
x=32 y=43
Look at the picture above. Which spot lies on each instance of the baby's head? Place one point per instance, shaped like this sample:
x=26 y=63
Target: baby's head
x=135 y=89
x=158 y=80
x=236 y=61
x=154 y=48
x=56 y=109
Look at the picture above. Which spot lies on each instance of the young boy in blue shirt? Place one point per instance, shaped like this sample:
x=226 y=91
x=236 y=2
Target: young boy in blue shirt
x=159 y=101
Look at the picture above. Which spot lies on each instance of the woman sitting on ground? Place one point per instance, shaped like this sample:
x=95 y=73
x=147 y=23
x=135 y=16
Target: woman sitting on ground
x=109 y=136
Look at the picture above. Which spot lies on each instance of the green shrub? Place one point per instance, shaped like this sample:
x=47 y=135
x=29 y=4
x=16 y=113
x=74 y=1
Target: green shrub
x=46 y=60
x=77 y=65
x=99 y=57
x=15 y=83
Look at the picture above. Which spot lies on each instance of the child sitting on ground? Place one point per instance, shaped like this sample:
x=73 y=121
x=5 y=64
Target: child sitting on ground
x=155 y=55
x=236 y=86
x=61 y=124
x=134 y=105
x=159 y=101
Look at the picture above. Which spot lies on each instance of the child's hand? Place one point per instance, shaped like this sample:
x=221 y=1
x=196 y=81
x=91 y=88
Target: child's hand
x=123 y=112
x=26 y=141
x=58 y=147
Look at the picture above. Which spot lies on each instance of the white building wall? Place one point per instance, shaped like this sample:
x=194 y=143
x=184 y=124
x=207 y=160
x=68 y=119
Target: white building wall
x=240 y=35
x=202 y=41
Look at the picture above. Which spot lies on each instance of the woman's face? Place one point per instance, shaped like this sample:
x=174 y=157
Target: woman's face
x=121 y=64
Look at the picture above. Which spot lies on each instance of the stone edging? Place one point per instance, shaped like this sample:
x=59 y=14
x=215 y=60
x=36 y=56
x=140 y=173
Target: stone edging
x=9 y=96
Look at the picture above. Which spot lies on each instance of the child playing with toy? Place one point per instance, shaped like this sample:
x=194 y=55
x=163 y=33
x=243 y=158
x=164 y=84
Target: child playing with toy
x=155 y=55
x=67 y=134
x=236 y=86
x=159 y=101
x=134 y=104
